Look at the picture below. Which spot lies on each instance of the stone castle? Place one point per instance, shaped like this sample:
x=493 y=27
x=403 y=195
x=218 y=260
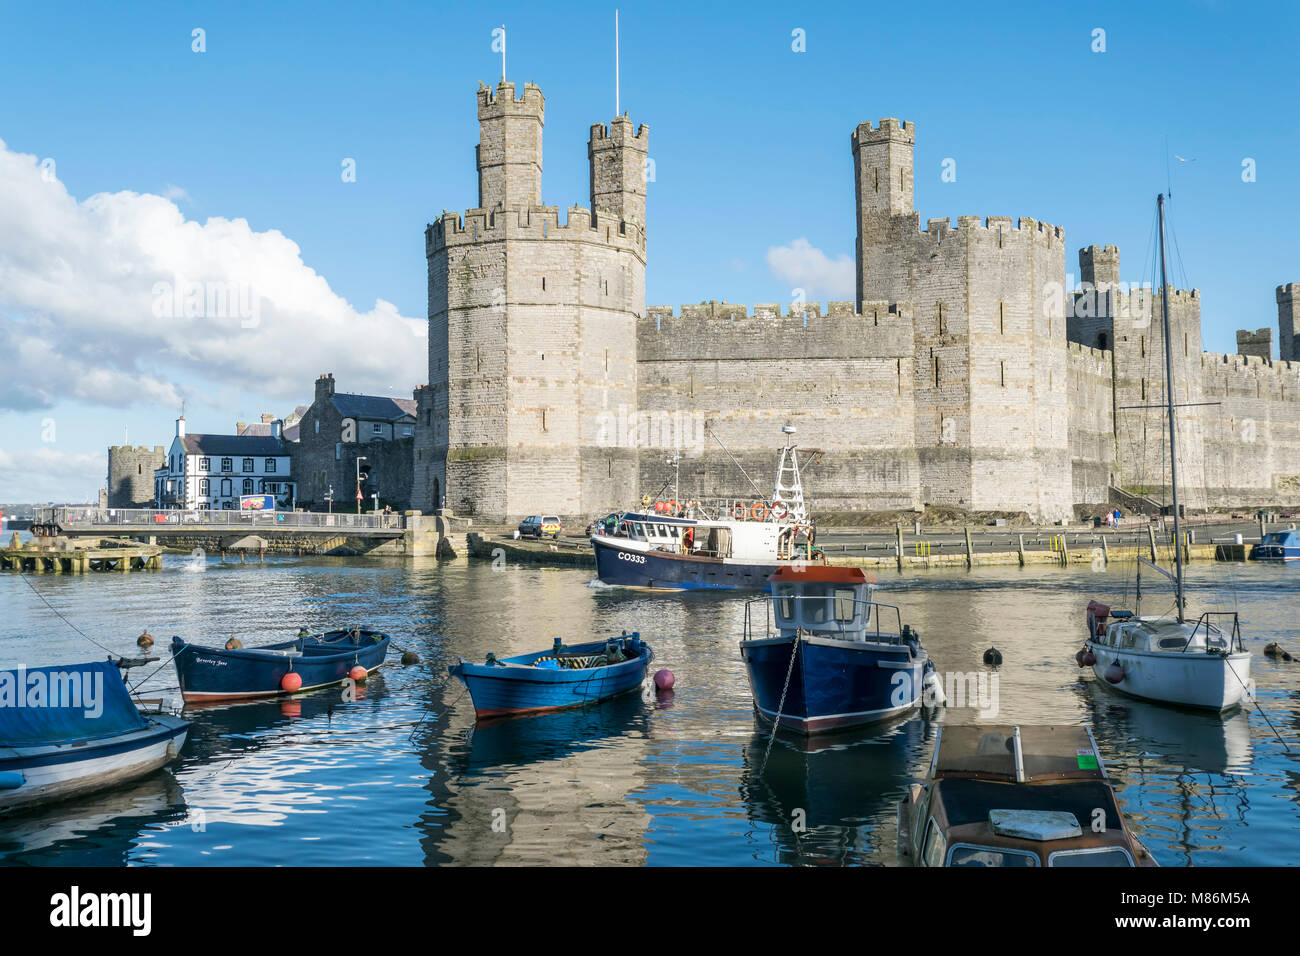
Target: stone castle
x=966 y=374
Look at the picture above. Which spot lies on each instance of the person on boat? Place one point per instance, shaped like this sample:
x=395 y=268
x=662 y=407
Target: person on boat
x=688 y=540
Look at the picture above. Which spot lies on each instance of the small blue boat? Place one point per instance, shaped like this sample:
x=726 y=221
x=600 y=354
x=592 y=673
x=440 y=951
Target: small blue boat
x=831 y=663
x=69 y=730
x=555 y=679
x=1277 y=546
x=319 y=660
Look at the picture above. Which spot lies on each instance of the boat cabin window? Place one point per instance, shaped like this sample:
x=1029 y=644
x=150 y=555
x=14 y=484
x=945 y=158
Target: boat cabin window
x=1173 y=643
x=1097 y=856
x=815 y=611
x=845 y=604
x=935 y=844
x=785 y=605
x=968 y=854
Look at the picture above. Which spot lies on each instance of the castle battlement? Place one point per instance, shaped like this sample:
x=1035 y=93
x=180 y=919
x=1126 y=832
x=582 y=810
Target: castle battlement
x=873 y=313
x=1085 y=351
x=530 y=222
x=502 y=100
x=136 y=450
x=939 y=227
x=1288 y=290
x=618 y=131
x=887 y=129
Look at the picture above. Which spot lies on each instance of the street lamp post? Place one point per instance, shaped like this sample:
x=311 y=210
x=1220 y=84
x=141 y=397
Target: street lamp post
x=360 y=459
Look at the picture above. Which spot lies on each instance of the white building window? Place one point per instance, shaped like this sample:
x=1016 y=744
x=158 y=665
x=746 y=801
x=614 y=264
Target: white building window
x=270 y=466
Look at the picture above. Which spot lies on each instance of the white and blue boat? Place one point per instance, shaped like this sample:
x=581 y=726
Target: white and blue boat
x=1277 y=546
x=718 y=545
x=555 y=679
x=823 y=659
x=73 y=729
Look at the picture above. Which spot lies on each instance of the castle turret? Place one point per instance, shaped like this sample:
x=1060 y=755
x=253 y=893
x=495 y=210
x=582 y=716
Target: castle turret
x=882 y=161
x=617 y=157
x=1288 y=344
x=510 y=146
x=1258 y=343
x=1099 y=266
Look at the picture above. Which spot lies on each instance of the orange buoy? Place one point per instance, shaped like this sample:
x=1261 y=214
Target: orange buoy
x=144 y=640
x=291 y=682
x=738 y=511
x=358 y=673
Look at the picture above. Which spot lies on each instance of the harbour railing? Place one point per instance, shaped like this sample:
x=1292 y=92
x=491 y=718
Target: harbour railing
x=843 y=612
x=71 y=519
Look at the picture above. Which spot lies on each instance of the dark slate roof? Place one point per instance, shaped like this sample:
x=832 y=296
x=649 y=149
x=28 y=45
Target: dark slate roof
x=234 y=445
x=374 y=407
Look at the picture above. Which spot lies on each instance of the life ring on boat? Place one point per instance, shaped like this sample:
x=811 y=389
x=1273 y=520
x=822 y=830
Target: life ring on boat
x=760 y=511
x=784 y=511
x=738 y=511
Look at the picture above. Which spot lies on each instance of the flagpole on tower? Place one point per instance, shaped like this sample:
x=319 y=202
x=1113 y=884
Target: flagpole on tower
x=503 y=53
x=616 y=103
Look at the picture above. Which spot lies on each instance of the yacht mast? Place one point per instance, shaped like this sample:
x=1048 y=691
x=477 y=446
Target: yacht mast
x=1169 y=400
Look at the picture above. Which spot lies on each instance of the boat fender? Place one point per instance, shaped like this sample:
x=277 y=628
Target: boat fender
x=993 y=657
x=1089 y=658
x=11 y=780
x=144 y=640
x=234 y=643
x=1115 y=673
x=1078 y=657
x=933 y=687
x=291 y=682
x=410 y=657
x=358 y=673
x=664 y=679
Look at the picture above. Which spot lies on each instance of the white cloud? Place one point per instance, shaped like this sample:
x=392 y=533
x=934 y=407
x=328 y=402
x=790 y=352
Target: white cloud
x=119 y=299
x=803 y=266
x=59 y=475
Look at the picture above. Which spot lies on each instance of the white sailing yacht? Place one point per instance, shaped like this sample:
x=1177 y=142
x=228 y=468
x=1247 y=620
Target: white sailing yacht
x=1170 y=658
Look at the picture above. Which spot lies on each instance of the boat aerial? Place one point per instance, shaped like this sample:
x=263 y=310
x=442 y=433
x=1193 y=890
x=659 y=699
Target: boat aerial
x=1016 y=796
x=1169 y=658
x=823 y=659
x=1277 y=546
x=84 y=733
x=716 y=545
x=555 y=679
x=308 y=662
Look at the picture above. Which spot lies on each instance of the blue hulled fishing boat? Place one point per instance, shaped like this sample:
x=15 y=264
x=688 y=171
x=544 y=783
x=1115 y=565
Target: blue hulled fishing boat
x=1277 y=546
x=73 y=729
x=555 y=679
x=822 y=659
x=305 y=663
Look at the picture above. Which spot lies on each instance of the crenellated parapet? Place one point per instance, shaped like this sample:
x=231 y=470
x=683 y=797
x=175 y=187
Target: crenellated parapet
x=536 y=223
x=994 y=228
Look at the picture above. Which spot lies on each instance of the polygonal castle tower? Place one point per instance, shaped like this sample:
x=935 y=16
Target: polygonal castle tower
x=990 y=338
x=130 y=475
x=532 y=326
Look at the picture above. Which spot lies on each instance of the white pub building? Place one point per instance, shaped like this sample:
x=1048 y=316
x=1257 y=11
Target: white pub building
x=214 y=471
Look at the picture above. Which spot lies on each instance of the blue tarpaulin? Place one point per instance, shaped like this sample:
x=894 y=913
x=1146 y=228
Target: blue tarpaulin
x=40 y=706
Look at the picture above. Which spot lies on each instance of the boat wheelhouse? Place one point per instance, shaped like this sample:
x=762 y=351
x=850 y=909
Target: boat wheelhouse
x=1277 y=546
x=826 y=657
x=1016 y=796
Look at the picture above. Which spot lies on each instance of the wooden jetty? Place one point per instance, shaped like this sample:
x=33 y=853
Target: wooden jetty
x=60 y=555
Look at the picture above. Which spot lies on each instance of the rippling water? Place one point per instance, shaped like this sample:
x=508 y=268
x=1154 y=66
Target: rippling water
x=402 y=776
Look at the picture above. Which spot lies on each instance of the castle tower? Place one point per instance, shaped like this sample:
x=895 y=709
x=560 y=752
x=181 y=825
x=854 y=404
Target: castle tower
x=509 y=152
x=1099 y=266
x=1258 y=343
x=1288 y=343
x=617 y=157
x=882 y=178
x=130 y=475
x=532 y=329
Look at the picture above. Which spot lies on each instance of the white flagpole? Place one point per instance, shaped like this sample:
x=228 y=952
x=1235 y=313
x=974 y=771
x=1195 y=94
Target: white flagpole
x=616 y=104
x=503 y=53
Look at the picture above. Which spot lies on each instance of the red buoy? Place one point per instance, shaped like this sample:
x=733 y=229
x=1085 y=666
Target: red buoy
x=1114 y=673
x=358 y=673
x=664 y=679
x=1089 y=658
x=1078 y=657
x=291 y=682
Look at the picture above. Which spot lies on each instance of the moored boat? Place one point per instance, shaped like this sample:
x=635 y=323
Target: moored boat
x=823 y=659
x=69 y=730
x=555 y=679
x=314 y=660
x=1277 y=546
x=1016 y=796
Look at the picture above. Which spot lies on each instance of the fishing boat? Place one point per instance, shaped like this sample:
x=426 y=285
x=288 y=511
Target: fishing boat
x=1016 y=796
x=1277 y=546
x=555 y=679
x=1169 y=658
x=717 y=545
x=69 y=730
x=825 y=657
x=307 y=662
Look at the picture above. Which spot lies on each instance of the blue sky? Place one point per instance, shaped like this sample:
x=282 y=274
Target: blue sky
x=750 y=141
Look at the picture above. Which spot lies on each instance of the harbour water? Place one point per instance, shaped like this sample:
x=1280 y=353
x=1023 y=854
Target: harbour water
x=401 y=775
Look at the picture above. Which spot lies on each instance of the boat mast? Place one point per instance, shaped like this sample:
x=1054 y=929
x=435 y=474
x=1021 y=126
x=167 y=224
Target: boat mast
x=1169 y=401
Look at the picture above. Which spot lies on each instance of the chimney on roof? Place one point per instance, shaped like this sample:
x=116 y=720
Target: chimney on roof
x=239 y=427
x=324 y=386
x=180 y=427
x=267 y=418
x=277 y=428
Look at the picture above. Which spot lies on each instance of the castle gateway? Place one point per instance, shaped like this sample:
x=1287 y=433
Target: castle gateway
x=967 y=373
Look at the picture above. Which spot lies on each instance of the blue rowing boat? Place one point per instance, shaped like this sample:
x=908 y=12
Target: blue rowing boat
x=555 y=679
x=318 y=660
x=1277 y=546
x=74 y=729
